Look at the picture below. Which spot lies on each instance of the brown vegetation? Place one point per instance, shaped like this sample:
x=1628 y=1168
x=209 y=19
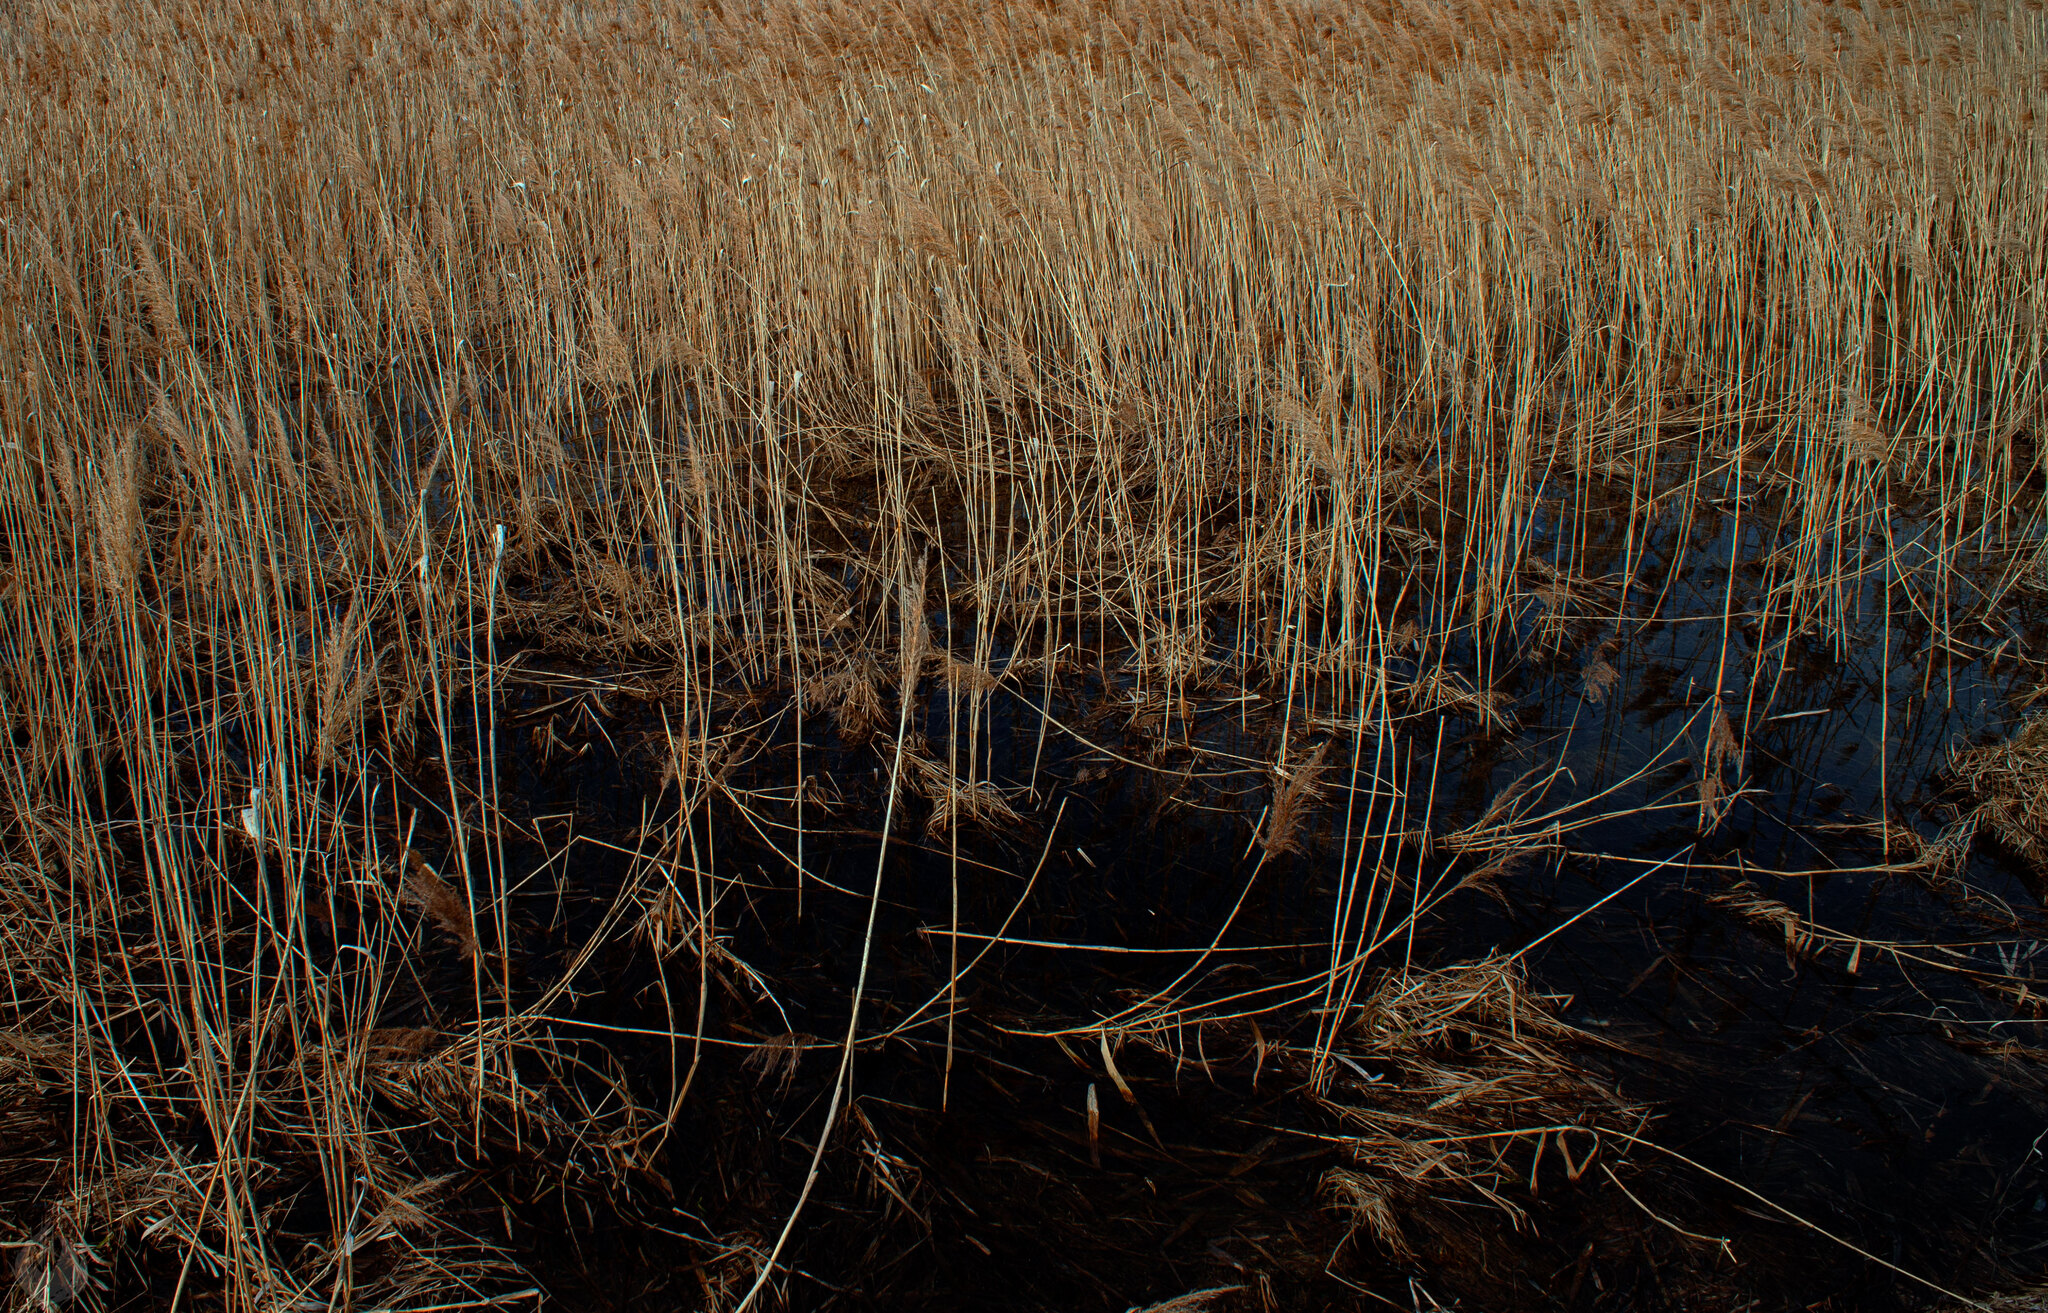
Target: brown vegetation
x=1234 y=342
x=2009 y=782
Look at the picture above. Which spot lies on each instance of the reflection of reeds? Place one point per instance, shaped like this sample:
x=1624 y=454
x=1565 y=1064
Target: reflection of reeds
x=2002 y=968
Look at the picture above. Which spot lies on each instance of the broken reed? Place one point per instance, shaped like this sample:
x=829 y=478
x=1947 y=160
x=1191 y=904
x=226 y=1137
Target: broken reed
x=1230 y=334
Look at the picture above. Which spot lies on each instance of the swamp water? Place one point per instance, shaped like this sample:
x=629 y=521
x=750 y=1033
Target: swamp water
x=1800 y=990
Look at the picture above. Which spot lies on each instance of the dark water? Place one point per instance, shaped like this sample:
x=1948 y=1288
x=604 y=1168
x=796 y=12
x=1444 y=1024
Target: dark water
x=1888 y=1094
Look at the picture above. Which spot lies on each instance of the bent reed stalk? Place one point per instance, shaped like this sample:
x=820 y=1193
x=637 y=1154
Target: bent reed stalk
x=1222 y=338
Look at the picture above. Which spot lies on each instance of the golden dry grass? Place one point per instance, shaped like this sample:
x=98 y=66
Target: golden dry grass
x=735 y=340
x=2008 y=781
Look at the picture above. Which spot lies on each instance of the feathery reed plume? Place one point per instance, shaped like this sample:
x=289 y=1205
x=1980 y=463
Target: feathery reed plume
x=608 y=363
x=117 y=515
x=1295 y=793
x=1723 y=749
x=424 y=888
x=154 y=291
x=913 y=631
x=407 y=271
x=1598 y=679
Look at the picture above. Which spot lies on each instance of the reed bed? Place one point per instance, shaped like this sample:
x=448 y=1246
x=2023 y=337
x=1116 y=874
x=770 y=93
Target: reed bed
x=856 y=358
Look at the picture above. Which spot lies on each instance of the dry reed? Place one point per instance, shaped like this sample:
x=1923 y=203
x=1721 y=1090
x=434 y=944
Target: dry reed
x=2009 y=781
x=1246 y=334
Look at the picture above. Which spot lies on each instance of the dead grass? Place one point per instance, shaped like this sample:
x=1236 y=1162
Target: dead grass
x=2009 y=781
x=1457 y=1082
x=747 y=344
x=2017 y=1301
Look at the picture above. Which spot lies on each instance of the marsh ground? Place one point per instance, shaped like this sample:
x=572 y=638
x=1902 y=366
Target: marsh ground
x=1076 y=655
